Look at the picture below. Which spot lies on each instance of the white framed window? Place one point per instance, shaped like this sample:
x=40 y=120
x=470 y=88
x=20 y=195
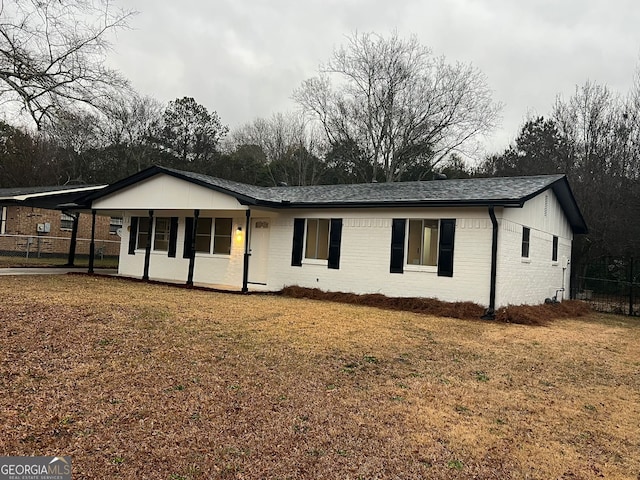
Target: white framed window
x=3 y=220
x=526 y=241
x=222 y=236
x=422 y=242
x=161 y=234
x=213 y=236
x=143 y=233
x=317 y=239
x=66 y=222
x=115 y=223
x=203 y=235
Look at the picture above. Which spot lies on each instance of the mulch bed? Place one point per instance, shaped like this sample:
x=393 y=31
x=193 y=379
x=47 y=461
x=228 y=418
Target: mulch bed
x=520 y=314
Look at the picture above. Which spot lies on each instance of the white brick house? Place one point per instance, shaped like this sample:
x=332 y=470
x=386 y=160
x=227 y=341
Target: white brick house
x=493 y=241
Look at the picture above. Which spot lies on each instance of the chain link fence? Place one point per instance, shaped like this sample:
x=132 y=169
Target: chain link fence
x=610 y=285
x=31 y=250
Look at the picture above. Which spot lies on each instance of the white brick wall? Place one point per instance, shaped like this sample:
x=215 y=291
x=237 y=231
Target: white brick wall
x=530 y=281
x=365 y=254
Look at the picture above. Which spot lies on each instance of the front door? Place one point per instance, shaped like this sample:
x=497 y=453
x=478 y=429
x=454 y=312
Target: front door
x=259 y=249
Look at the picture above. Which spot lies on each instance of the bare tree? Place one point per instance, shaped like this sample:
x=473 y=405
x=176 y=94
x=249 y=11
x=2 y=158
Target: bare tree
x=602 y=129
x=401 y=105
x=52 y=55
x=291 y=147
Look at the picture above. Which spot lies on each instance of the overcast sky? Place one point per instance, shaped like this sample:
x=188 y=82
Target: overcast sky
x=244 y=58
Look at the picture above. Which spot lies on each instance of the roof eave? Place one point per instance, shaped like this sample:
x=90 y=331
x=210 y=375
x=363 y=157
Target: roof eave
x=403 y=203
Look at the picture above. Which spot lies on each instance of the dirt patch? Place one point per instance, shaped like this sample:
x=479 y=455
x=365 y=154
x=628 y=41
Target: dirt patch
x=520 y=314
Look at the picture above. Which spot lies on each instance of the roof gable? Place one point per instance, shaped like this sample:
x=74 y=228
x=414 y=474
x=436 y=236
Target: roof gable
x=166 y=192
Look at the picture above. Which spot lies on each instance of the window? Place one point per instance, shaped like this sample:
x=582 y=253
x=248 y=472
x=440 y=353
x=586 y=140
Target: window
x=317 y=246
x=209 y=231
x=161 y=235
x=317 y=239
x=3 y=220
x=222 y=236
x=526 y=235
x=429 y=242
x=66 y=222
x=422 y=244
x=143 y=232
x=115 y=223
x=554 y=249
x=203 y=235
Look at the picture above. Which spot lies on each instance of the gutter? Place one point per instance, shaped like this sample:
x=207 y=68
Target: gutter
x=490 y=313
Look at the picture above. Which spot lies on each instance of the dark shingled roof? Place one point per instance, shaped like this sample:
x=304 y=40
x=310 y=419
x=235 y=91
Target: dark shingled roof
x=497 y=191
x=45 y=197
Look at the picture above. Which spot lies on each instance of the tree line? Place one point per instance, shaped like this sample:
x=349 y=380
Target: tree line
x=380 y=109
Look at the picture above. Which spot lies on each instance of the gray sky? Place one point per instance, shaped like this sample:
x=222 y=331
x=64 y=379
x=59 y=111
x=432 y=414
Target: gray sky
x=244 y=58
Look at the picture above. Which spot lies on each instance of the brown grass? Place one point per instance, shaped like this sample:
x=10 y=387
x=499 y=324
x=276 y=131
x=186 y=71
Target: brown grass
x=151 y=381
x=80 y=262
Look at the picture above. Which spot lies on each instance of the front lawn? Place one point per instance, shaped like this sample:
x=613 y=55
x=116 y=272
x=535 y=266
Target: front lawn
x=149 y=381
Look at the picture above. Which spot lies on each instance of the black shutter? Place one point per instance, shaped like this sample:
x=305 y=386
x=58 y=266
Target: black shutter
x=133 y=235
x=397 y=245
x=298 y=242
x=188 y=237
x=335 y=237
x=445 y=252
x=173 y=236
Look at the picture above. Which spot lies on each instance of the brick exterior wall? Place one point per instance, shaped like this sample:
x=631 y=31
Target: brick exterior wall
x=21 y=224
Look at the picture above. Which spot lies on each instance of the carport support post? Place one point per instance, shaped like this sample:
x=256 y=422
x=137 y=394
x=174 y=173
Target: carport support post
x=247 y=254
x=192 y=249
x=147 y=251
x=74 y=239
x=92 y=245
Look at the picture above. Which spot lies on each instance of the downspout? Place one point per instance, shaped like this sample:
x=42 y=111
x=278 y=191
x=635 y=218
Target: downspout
x=247 y=254
x=490 y=313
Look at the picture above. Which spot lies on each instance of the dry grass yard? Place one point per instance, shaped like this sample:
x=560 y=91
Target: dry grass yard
x=154 y=382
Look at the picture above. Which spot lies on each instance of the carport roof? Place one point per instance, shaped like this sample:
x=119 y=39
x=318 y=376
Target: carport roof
x=45 y=197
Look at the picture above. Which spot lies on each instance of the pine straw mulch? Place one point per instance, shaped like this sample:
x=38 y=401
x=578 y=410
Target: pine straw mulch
x=151 y=381
x=520 y=314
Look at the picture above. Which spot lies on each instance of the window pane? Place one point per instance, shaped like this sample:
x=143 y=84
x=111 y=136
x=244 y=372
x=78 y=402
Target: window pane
x=204 y=226
x=323 y=239
x=525 y=242
x=312 y=238
x=222 y=236
x=554 y=251
x=414 y=245
x=114 y=224
x=430 y=243
x=143 y=229
x=161 y=236
x=203 y=235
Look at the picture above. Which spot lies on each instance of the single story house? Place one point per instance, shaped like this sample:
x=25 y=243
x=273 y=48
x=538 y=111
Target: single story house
x=32 y=223
x=492 y=241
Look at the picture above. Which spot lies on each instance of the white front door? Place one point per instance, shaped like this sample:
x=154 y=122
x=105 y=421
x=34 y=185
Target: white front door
x=259 y=249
